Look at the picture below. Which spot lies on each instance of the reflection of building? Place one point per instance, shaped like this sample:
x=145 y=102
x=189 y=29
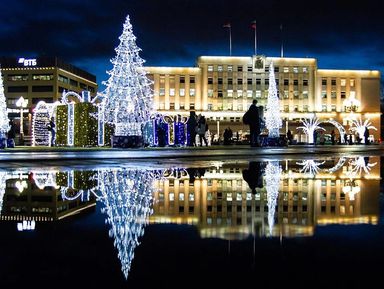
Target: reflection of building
x=222 y=88
x=42 y=78
x=221 y=205
x=39 y=204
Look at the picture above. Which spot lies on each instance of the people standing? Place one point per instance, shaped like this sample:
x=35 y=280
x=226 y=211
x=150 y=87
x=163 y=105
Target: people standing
x=11 y=135
x=191 y=129
x=366 y=135
x=289 y=136
x=252 y=118
x=202 y=128
x=333 y=137
x=52 y=129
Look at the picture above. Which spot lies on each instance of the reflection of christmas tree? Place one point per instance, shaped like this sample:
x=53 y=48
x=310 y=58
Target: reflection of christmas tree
x=272 y=118
x=127 y=196
x=3 y=179
x=128 y=94
x=272 y=179
x=4 y=121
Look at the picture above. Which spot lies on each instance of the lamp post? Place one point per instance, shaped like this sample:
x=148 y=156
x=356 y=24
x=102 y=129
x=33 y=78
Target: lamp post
x=21 y=103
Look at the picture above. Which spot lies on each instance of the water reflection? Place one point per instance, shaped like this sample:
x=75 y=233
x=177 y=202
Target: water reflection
x=274 y=198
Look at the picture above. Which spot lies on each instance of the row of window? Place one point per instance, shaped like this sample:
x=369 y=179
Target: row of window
x=251 y=81
x=41 y=88
x=239 y=68
x=25 y=77
x=343 y=82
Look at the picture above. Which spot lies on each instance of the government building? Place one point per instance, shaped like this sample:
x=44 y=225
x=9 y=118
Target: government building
x=222 y=88
x=36 y=79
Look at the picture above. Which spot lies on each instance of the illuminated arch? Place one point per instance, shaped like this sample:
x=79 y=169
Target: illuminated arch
x=339 y=127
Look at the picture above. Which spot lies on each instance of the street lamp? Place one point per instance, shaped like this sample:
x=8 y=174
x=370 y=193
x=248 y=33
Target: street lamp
x=21 y=103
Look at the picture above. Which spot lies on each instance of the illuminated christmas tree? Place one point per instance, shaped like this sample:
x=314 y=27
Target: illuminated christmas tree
x=128 y=94
x=272 y=118
x=4 y=120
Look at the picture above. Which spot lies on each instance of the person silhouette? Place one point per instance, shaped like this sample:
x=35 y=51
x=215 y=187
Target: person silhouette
x=253 y=176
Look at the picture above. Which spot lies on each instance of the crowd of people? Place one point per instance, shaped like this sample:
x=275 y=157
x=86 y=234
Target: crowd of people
x=197 y=126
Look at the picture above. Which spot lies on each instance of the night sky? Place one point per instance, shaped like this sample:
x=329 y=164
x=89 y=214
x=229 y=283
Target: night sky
x=340 y=34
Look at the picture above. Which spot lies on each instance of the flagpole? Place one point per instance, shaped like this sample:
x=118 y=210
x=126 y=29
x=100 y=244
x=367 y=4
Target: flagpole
x=230 y=41
x=254 y=27
x=281 y=35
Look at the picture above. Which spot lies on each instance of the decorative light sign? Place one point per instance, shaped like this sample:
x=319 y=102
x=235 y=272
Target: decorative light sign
x=27 y=62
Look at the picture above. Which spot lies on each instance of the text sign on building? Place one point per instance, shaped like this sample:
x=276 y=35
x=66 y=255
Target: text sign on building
x=27 y=62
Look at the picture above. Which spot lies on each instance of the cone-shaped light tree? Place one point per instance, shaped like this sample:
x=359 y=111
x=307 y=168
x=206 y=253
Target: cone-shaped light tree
x=4 y=120
x=272 y=116
x=128 y=94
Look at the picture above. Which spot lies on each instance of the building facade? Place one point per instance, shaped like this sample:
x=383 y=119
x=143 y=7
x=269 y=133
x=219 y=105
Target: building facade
x=36 y=79
x=222 y=89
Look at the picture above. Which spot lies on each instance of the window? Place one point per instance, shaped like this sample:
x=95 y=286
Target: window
x=210 y=92
x=333 y=94
x=220 y=68
x=230 y=93
x=239 y=81
x=286 y=69
x=286 y=82
x=324 y=107
x=239 y=93
x=333 y=82
x=182 y=92
x=295 y=94
x=192 y=79
x=305 y=82
x=63 y=79
x=305 y=69
x=192 y=106
x=286 y=108
x=239 y=68
x=220 y=94
x=17 y=77
x=192 y=92
x=351 y=82
x=210 y=67
x=324 y=81
x=42 y=76
x=182 y=106
x=286 y=94
x=258 y=93
x=230 y=68
x=210 y=106
x=305 y=108
x=324 y=94
x=295 y=70
x=229 y=81
x=73 y=82
x=162 y=91
x=342 y=94
x=249 y=68
x=249 y=81
x=172 y=92
x=210 y=80
x=42 y=88
x=295 y=82
x=249 y=93
x=172 y=105
x=219 y=80
x=17 y=88
x=305 y=93
x=343 y=82
x=266 y=82
x=333 y=107
x=182 y=79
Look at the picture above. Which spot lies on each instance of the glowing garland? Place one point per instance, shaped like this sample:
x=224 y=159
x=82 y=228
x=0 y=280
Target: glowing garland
x=272 y=179
x=310 y=125
x=41 y=136
x=273 y=120
x=4 y=120
x=359 y=126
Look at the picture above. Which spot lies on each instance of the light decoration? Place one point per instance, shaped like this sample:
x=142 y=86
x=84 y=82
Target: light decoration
x=70 y=98
x=360 y=164
x=351 y=188
x=309 y=127
x=272 y=178
x=359 y=126
x=339 y=127
x=4 y=120
x=340 y=163
x=45 y=179
x=310 y=166
x=3 y=184
x=40 y=134
x=127 y=195
x=26 y=225
x=128 y=93
x=351 y=104
x=272 y=115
